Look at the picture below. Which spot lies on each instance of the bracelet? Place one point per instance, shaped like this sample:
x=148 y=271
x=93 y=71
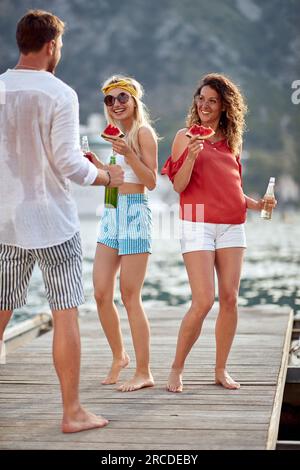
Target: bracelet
x=109 y=178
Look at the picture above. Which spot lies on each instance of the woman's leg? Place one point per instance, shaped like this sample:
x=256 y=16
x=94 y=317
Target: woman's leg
x=229 y=266
x=5 y=316
x=106 y=264
x=200 y=269
x=133 y=271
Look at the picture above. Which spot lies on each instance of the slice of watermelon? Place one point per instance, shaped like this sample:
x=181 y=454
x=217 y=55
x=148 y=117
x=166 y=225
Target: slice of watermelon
x=201 y=131
x=111 y=132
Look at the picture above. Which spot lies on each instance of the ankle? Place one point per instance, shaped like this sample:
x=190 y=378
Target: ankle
x=177 y=368
x=72 y=409
x=120 y=357
x=143 y=371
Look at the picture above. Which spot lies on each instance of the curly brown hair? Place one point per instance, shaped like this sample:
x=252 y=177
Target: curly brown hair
x=232 y=120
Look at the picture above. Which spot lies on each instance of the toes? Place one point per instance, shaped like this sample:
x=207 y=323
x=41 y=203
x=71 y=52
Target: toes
x=124 y=388
x=174 y=388
x=236 y=385
x=128 y=388
x=229 y=385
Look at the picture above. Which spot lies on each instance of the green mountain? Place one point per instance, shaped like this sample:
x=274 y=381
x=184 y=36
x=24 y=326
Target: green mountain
x=168 y=45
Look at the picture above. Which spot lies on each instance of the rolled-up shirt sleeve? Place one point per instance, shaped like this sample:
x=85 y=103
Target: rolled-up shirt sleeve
x=65 y=140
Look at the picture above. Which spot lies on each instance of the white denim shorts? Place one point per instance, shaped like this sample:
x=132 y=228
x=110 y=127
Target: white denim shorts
x=197 y=236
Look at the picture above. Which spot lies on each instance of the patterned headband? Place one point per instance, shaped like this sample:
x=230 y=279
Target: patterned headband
x=124 y=84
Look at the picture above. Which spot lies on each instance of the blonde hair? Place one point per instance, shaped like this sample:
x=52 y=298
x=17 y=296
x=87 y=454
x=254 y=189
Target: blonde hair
x=141 y=114
x=232 y=120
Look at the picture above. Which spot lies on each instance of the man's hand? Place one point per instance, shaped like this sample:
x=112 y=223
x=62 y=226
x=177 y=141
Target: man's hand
x=116 y=175
x=111 y=176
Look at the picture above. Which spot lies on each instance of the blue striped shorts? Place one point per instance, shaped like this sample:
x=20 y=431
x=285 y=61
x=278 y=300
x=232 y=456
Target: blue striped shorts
x=61 y=266
x=128 y=228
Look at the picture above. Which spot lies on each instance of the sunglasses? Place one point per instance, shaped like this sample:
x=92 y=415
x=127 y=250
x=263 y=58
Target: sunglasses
x=110 y=100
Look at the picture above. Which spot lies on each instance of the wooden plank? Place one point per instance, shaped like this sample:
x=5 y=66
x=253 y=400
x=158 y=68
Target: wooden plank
x=25 y=332
x=196 y=439
x=275 y=417
x=204 y=416
x=58 y=445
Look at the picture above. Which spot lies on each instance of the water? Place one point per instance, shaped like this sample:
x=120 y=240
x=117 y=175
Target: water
x=271 y=273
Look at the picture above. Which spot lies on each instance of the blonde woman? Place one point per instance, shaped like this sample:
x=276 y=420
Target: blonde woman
x=124 y=241
x=207 y=174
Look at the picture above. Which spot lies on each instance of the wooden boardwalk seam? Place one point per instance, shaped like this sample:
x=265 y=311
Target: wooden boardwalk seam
x=204 y=416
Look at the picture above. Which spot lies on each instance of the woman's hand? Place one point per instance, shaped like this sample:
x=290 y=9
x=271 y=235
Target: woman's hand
x=120 y=146
x=92 y=157
x=268 y=203
x=194 y=147
x=259 y=205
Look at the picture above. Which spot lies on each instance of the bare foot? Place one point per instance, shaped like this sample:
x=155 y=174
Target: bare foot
x=82 y=420
x=137 y=382
x=224 y=379
x=116 y=367
x=175 y=384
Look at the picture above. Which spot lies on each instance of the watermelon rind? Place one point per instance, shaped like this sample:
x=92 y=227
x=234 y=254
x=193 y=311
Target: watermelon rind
x=190 y=134
x=107 y=135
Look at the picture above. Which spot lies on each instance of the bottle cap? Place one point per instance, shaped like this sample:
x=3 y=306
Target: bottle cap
x=272 y=180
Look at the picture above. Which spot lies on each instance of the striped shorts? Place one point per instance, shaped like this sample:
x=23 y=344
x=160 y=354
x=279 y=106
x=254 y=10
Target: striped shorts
x=61 y=267
x=128 y=228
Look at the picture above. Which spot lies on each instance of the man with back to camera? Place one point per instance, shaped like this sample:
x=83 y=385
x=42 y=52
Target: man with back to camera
x=39 y=154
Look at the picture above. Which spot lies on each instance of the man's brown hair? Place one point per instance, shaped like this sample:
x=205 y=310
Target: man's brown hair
x=36 y=28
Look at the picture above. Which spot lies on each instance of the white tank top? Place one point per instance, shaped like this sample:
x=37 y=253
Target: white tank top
x=129 y=174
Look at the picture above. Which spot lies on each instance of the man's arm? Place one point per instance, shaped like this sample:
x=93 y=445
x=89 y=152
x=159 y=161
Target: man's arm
x=67 y=157
x=112 y=177
x=66 y=152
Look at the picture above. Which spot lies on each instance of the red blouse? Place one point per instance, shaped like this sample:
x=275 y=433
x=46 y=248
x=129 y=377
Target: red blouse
x=214 y=193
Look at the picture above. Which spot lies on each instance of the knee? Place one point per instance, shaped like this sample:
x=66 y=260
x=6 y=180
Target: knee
x=102 y=296
x=129 y=297
x=201 y=307
x=229 y=301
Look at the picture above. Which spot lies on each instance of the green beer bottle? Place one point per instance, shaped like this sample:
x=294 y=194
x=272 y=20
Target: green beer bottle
x=111 y=194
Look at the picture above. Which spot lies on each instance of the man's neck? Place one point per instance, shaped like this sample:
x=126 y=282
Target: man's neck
x=26 y=67
x=30 y=63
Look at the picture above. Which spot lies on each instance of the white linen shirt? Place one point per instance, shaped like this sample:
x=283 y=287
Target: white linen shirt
x=39 y=154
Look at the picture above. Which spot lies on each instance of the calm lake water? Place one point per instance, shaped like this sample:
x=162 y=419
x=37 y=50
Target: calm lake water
x=271 y=272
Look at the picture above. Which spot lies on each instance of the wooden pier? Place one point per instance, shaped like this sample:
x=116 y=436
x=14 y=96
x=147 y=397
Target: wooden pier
x=204 y=416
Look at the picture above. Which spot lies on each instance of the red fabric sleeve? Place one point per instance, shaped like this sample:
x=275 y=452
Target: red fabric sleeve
x=171 y=168
x=238 y=159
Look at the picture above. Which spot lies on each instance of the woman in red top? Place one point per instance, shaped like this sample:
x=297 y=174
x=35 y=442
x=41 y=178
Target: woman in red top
x=207 y=175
